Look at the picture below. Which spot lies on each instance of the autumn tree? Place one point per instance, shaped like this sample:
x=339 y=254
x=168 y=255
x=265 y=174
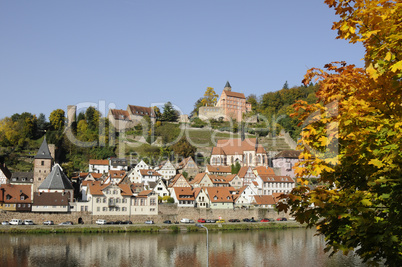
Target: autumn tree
x=352 y=139
x=57 y=119
x=184 y=148
x=210 y=97
x=157 y=113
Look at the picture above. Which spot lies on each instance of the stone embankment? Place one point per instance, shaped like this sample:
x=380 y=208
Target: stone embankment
x=166 y=212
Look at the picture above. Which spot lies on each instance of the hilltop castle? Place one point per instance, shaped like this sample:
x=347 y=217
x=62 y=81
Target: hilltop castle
x=231 y=105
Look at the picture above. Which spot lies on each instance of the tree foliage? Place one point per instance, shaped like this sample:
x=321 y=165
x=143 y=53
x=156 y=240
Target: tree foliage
x=184 y=148
x=210 y=97
x=169 y=113
x=353 y=139
x=57 y=119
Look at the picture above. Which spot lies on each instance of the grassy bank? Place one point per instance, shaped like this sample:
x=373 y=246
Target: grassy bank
x=44 y=229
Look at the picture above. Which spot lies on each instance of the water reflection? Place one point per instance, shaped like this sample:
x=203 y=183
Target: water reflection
x=293 y=247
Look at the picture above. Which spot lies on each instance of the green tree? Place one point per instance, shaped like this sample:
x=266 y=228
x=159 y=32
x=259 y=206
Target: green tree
x=197 y=106
x=92 y=117
x=235 y=168
x=252 y=99
x=286 y=85
x=169 y=113
x=352 y=139
x=57 y=119
x=210 y=97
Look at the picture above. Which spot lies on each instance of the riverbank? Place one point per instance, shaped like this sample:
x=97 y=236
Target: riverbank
x=141 y=228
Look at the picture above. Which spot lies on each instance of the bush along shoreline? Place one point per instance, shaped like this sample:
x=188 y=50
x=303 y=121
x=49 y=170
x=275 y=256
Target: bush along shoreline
x=182 y=228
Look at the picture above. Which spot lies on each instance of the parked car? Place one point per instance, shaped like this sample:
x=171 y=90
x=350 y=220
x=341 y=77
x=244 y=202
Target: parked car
x=185 y=220
x=234 y=220
x=28 y=222
x=264 y=220
x=48 y=223
x=101 y=221
x=282 y=219
x=118 y=222
x=149 y=222
x=127 y=222
x=66 y=223
x=16 y=222
x=168 y=222
x=5 y=223
x=201 y=221
x=252 y=220
x=246 y=220
x=220 y=221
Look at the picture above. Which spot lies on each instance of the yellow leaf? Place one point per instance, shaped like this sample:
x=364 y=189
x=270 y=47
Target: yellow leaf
x=376 y=162
x=388 y=56
x=397 y=66
x=372 y=72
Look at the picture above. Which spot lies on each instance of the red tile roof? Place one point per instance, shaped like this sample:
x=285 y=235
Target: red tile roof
x=264 y=200
x=149 y=172
x=184 y=193
x=15 y=192
x=144 y=193
x=223 y=169
x=261 y=170
x=99 y=162
x=219 y=194
x=119 y=114
x=234 y=94
x=276 y=179
x=236 y=146
x=141 y=111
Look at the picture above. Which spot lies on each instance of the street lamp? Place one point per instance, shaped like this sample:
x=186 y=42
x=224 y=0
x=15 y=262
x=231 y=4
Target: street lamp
x=202 y=226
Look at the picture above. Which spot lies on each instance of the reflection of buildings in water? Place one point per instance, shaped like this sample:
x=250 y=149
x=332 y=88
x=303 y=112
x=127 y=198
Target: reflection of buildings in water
x=253 y=248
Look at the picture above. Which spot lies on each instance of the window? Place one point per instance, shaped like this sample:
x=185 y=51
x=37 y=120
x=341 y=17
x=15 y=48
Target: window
x=104 y=200
x=22 y=197
x=124 y=209
x=98 y=209
x=42 y=163
x=104 y=209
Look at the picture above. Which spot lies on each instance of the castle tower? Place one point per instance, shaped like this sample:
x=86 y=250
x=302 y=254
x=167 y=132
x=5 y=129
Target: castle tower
x=71 y=113
x=228 y=87
x=43 y=162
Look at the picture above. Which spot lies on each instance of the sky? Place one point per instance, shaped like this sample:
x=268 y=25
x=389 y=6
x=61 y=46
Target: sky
x=111 y=53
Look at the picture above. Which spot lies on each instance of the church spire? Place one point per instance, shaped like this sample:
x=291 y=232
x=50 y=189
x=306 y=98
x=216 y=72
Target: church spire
x=227 y=87
x=43 y=152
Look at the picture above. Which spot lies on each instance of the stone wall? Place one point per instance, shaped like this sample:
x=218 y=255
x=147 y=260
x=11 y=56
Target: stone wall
x=166 y=212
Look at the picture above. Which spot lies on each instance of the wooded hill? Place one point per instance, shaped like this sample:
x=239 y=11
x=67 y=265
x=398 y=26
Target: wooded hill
x=22 y=134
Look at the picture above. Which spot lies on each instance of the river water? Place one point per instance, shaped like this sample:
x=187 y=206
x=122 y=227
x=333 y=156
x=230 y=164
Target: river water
x=290 y=247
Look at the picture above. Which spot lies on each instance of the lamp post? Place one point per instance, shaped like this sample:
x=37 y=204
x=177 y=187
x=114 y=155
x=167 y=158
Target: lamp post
x=202 y=226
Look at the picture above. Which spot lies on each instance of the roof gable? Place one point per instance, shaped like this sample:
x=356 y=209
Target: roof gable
x=56 y=180
x=43 y=152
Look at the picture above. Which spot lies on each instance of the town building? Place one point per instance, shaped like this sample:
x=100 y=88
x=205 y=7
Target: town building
x=166 y=169
x=285 y=160
x=5 y=174
x=230 y=106
x=57 y=182
x=98 y=165
x=126 y=119
x=16 y=197
x=51 y=202
x=43 y=162
x=247 y=152
x=189 y=166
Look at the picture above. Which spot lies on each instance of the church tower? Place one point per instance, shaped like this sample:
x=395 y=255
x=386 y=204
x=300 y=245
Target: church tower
x=227 y=87
x=43 y=162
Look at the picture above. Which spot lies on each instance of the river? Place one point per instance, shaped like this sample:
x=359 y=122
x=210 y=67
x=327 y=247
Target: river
x=290 y=247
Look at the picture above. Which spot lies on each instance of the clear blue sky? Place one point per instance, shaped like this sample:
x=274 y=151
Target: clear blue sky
x=59 y=53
